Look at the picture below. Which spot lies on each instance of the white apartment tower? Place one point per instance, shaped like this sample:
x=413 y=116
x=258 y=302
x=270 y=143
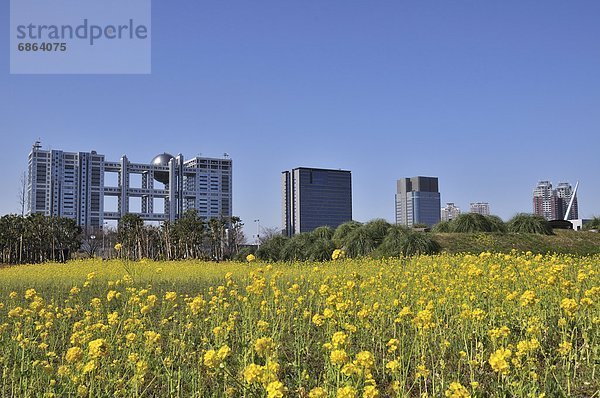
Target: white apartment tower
x=450 y=212
x=482 y=208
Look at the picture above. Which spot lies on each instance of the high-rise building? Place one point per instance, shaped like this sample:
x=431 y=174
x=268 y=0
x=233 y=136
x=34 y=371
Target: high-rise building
x=482 y=208
x=545 y=202
x=552 y=203
x=315 y=197
x=74 y=185
x=450 y=212
x=564 y=192
x=66 y=184
x=417 y=201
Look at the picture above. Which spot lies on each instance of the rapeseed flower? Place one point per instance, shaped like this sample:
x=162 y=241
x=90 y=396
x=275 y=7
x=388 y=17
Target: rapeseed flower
x=499 y=361
x=97 y=348
x=74 y=354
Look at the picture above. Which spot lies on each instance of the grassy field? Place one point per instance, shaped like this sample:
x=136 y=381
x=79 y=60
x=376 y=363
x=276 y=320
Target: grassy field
x=564 y=241
x=491 y=325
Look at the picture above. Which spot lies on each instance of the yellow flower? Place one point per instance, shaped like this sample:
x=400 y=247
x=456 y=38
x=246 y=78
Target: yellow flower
x=223 y=352
x=338 y=254
x=275 y=389
x=253 y=373
x=113 y=318
x=264 y=346
x=393 y=365
x=211 y=359
x=30 y=293
x=15 y=312
x=250 y=257
x=393 y=345
x=564 y=348
x=130 y=337
x=89 y=367
x=141 y=367
x=118 y=247
x=350 y=369
x=422 y=372
x=499 y=361
x=152 y=337
x=74 y=354
x=318 y=319
x=501 y=332
x=82 y=391
x=370 y=392
x=365 y=359
x=568 y=305
x=262 y=325
x=317 y=392
x=338 y=357
x=346 y=392
x=111 y=295
x=97 y=348
x=457 y=390
x=527 y=298
x=171 y=296
x=525 y=347
x=339 y=339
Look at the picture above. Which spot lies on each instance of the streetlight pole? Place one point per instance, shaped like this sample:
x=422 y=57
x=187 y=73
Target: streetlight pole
x=104 y=239
x=93 y=245
x=257 y=221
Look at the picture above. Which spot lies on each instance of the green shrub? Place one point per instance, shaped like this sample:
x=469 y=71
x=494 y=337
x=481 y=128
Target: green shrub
x=272 y=249
x=342 y=232
x=470 y=223
x=593 y=224
x=359 y=243
x=442 y=226
x=416 y=243
x=496 y=224
x=530 y=224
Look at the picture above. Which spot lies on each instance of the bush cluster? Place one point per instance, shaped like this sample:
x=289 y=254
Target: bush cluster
x=376 y=238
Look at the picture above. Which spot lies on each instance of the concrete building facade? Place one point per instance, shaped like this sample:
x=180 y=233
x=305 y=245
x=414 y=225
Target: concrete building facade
x=72 y=184
x=450 y=212
x=482 y=208
x=418 y=201
x=313 y=197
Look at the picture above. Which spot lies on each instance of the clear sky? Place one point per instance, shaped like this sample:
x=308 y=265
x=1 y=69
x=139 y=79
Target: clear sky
x=489 y=96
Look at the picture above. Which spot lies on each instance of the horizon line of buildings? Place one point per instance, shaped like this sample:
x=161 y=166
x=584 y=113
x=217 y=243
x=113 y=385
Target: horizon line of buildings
x=75 y=185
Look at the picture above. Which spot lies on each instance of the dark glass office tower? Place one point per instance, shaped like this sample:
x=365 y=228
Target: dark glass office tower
x=315 y=197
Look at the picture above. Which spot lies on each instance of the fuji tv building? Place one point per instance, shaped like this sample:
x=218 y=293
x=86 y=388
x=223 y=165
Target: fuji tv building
x=72 y=185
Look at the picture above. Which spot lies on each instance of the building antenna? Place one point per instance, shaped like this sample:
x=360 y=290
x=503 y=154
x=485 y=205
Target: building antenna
x=571 y=201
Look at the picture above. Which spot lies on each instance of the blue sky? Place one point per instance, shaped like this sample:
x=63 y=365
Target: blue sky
x=488 y=96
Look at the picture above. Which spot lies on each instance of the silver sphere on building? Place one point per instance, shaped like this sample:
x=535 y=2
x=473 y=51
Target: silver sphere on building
x=162 y=160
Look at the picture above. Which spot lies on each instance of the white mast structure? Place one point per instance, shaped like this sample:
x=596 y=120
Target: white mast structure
x=571 y=201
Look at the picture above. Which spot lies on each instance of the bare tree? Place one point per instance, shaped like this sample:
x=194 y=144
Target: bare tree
x=22 y=194
x=267 y=233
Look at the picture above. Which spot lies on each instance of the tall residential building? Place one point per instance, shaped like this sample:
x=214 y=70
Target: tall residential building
x=315 y=197
x=450 y=212
x=66 y=184
x=74 y=185
x=482 y=208
x=552 y=203
x=417 y=201
x=564 y=192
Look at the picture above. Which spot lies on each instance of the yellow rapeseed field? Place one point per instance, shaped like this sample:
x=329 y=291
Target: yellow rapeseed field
x=492 y=325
